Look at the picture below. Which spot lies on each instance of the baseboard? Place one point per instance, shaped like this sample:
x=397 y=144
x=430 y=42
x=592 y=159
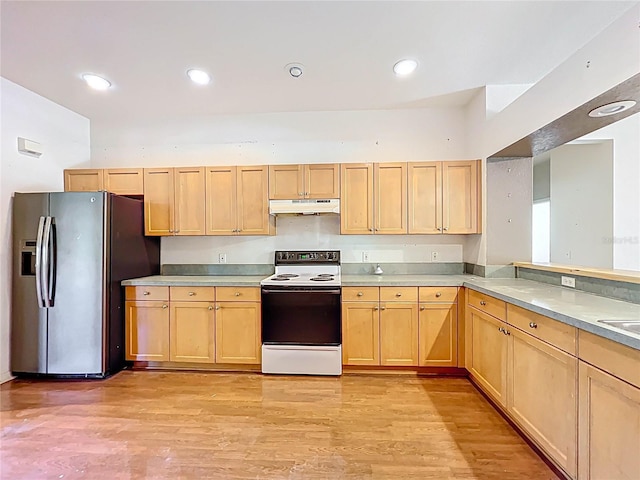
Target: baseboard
x=5 y=377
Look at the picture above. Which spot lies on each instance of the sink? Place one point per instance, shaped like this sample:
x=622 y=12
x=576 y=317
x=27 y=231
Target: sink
x=632 y=326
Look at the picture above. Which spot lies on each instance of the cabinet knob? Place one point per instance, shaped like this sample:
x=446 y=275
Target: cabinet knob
x=237 y=294
x=483 y=303
x=423 y=308
x=398 y=294
x=438 y=295
x=376 y=308
x=165 y=306
x=383 y=308
x=371 y=229
x=300 y=194
x=210 y=307
x=306 y=193
x=217 y=307
x=445 y=229
x=360 y=294
x=500 y=329
x=192 y=294
x=533 y=324
x=439 y=229
x=146 y=293
x=170 y=231
x=507 y=332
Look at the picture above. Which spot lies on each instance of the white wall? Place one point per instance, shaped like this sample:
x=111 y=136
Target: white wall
x=64 y=136
x=581 y=218
x=626 y=189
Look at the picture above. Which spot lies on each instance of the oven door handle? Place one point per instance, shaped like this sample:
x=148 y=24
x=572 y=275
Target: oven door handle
x=296 y=290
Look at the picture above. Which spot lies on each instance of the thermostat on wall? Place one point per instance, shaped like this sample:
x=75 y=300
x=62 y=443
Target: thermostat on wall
x=29 y=147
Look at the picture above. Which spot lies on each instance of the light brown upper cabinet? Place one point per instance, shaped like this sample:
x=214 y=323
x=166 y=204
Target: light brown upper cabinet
x=237 y=201
x=174 y=201
x=444 y=197
x=293 y=182
x=124 y=181
x=374 y=198
x=83 y=180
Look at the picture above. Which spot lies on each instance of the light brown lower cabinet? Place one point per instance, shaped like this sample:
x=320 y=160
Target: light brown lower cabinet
x=147 y=330
x=609 y=426
x=399 y=334
x=438 y=335
x=360 y=333
x=542 y=396
x=192 y=332
x=238 y=334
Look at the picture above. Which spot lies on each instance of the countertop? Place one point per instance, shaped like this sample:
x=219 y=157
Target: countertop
x=573 y=307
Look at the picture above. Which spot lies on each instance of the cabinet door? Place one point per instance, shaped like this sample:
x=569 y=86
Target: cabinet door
x=253 y=201
x=147 y=331
x=390 y=193
x=542 y=396
x=399 y=334
x=322 y=181
x=286 y=182
x=609 y=426
x=221 y=201
x=238 y=338
x=425 y=197
x=488 y=355
x=124 y=181
x=189 y=198
x=460 y=197
x=356 y=193
x=360 y=333
x=192 y=332
x=438 y=335
x=83 y=180
x=158 y=201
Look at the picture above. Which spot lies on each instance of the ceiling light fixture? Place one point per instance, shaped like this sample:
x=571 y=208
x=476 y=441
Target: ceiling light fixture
x=294 y=69
x=96 y=82
x=405 y=67
x=199 y=76
x=612 y=108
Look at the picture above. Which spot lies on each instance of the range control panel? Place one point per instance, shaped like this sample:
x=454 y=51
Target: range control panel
x=313 y=257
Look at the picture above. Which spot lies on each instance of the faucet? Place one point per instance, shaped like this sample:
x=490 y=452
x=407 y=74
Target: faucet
x=378 y=270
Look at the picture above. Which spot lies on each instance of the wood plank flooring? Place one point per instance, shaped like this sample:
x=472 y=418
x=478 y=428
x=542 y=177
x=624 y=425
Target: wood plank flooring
x=180 y=425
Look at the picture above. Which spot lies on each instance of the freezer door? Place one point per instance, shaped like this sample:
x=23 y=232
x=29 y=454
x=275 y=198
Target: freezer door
x=28 y=321
x=77 y=288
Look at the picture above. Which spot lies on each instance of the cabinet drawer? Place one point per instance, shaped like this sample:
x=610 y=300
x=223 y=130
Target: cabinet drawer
x=360 y=294
x=146 y=293
x=438 y=294
x=488 y=304
x=398 y=294
x=187 y=294
x=551 y=331
x=237 y=294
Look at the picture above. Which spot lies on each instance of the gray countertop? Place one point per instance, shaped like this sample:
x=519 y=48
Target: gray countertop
x=573 y=307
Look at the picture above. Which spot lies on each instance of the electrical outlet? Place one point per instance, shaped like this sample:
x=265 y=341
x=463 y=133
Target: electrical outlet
x=568 y=281
x=434 y=256
x=222 y=258
x=365 y=257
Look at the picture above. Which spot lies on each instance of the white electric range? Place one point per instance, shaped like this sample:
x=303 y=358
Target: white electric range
x=301 y=314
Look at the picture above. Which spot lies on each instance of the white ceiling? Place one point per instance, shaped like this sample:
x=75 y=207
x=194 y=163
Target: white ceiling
x=348 y=50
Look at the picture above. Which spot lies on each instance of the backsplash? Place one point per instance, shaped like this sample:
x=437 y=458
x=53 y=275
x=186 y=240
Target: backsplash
x=313 y=233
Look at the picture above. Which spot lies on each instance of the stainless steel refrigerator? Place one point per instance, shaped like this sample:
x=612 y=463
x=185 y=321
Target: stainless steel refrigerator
x=71 y=250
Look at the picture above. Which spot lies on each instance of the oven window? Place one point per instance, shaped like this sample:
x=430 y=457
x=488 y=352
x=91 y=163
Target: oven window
x=301 y=317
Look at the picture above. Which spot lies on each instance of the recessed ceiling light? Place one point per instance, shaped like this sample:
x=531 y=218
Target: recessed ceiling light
x=294 y=69
x=612 y=108
x=199 y=76
x=96 y=82
x=405 y=67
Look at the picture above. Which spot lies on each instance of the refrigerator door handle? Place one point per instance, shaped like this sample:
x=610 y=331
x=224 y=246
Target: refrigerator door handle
x=39 y=263
x=51 y=264
x=46 y=262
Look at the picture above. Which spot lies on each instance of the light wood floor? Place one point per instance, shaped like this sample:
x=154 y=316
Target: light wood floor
x=202 y=425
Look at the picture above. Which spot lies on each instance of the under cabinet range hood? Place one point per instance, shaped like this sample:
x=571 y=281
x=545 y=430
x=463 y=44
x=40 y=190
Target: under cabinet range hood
x=304 y=207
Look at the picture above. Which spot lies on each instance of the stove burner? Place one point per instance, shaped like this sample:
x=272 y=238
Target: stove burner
x=325 y=275
x=280 y=279
x=321 y=279
x=286 y=275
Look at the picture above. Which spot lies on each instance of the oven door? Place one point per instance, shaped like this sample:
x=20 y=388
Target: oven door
x=301 y=316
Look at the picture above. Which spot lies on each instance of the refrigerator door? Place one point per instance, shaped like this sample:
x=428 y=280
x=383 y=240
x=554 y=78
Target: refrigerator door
x=28 y=320
x=76 y=259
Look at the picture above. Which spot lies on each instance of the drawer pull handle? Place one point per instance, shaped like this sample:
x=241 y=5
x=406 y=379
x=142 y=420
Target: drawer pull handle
x=398 y=294
x=533 y=324
x=165 y=306
x=483 y=303
x=146 y=293
x=210 y=307
x=360 y=294
x=237 y=294
x=438 y=295
x=423 y=308
x=191 y=294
